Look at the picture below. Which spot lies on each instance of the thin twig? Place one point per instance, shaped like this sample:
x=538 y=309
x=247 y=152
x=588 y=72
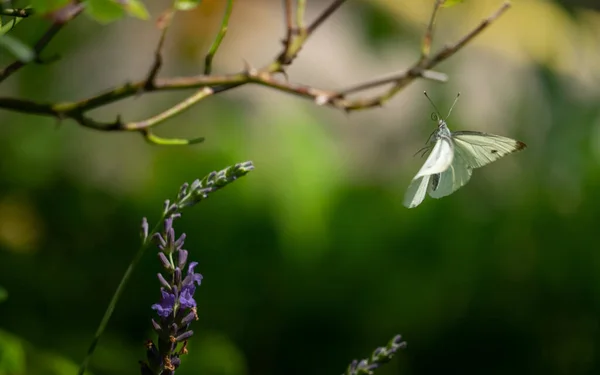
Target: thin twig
x=289 y=24
x=163 y=22
x=448 y=51
x=21 y=12
x=301 y=34
x=65 y=16
x=264 y=77
x=428 y=37
x=328 y=12
x=171 y=112
x=429 y=74
x=218 y=39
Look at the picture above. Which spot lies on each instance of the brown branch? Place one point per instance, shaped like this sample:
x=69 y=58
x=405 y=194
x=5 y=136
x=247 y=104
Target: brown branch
x=298 y=38
x=61 y=17
x=213 y=85
x=448 y=51
x=163 y=23
x=323 y=17
x=428 y=37
x=289 y=24
x=429 y=74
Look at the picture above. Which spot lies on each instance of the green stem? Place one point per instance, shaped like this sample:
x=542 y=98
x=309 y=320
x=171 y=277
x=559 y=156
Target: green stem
x=171 y=112
x=300 y=16
x=218 y=39
x=113 y=302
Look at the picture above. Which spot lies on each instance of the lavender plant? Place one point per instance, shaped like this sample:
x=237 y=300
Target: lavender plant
x=176 y=308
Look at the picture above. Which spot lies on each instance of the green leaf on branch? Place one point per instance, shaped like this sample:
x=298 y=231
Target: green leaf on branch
x=106 y=11
x=19 y=49
x=450 y=3
x=9 y=25
x=154 y=139
x=136 y=8
x=186 y=4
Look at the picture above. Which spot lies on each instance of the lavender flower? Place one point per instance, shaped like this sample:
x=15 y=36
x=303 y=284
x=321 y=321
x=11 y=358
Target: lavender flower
x=176 y=308
x=379 y=357
x=199 y=190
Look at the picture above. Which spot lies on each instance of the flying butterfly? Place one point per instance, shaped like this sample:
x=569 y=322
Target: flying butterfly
x=453 y=157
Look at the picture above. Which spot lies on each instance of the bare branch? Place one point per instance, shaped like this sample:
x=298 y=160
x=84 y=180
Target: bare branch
x=212 y=85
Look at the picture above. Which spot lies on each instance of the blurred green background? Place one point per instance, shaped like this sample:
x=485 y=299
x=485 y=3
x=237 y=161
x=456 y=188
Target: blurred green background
x=311 y=260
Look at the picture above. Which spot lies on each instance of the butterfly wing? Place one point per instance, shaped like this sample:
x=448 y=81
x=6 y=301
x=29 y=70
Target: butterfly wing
x=478 y=149
x=440 y=158
x=416 y=191
x=452 y=179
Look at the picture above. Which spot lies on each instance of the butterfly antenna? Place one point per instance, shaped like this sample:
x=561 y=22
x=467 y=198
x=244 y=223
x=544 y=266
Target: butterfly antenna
x=453 y=104
x=431 y=101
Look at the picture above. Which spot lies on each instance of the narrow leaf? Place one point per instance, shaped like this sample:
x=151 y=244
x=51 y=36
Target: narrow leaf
x=19 y=49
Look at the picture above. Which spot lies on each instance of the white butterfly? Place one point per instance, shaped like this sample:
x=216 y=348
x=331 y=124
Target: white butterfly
x=453 y=157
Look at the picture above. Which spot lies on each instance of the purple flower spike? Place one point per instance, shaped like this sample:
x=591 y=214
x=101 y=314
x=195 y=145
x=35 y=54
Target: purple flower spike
x=184 y=336
x=183 y=255
x=170 y=238
x=164 y=261
x=186 y=298
x=168 y=224
x=189 y=318
x=177 y=306
x=165 y=307
x=159 y=240
x=163 y=281
x=179 y=243
x=192 y=276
